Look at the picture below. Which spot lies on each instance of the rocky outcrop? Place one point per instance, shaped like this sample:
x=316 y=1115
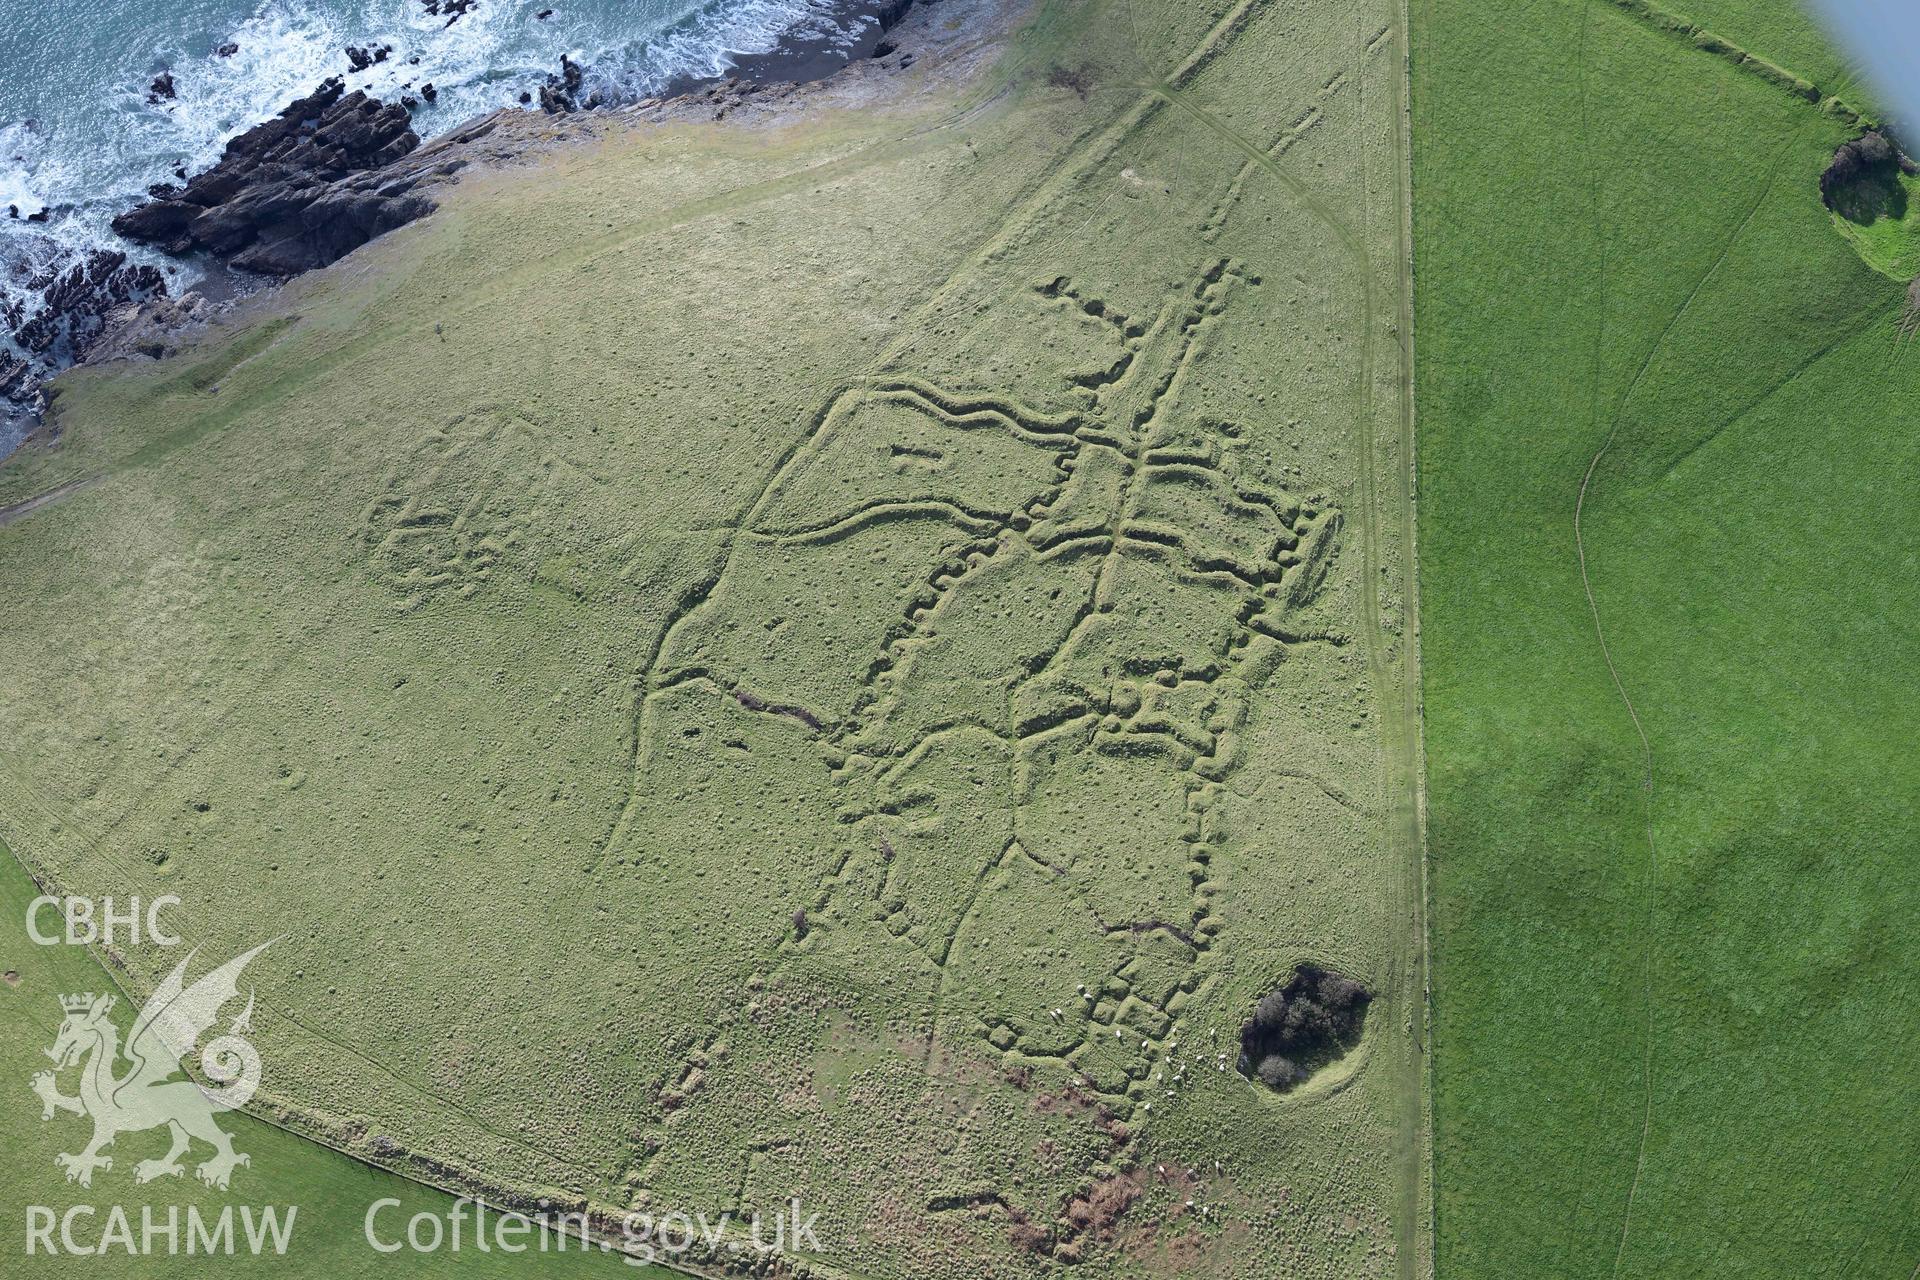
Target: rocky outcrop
x=452 y=10
x=75 y=304
x=361 y=57
x=294 y=193
x=889 y=14
x=15 y=373
x=561 y=93
x=335 y=169
x=72 y=308
x=153 y=328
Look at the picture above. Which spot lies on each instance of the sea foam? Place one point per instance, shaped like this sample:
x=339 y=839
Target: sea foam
x=84 y=159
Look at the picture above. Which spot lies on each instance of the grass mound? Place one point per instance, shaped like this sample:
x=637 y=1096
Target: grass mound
x=1869 y=190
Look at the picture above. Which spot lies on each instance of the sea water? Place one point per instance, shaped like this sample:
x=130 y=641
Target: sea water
x=80 y=139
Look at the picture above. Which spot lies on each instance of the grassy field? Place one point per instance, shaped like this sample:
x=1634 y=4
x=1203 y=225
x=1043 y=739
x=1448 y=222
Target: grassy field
x=329 y=1193
x=836 y=661
x=1667 y=551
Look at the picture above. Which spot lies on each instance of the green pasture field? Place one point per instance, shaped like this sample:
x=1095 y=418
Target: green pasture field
x=833 y=660
x=1667 y=459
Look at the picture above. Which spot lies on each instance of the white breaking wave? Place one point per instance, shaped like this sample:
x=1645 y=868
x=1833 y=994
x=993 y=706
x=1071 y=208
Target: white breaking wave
x=484 y=60
x=710 y=42
x=83 y=162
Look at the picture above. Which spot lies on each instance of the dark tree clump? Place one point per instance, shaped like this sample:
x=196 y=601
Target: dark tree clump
x=1862 y=183
x=1298 y=1029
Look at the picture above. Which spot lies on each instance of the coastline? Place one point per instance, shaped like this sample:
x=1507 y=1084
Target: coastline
x=542 y=430
x=805 y=55
x=942 y=42
x=112 y=303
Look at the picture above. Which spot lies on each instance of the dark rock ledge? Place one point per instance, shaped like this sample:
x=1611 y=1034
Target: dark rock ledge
x=323 y=177
x=329 y=173
x=333 y=170
x=294 y=193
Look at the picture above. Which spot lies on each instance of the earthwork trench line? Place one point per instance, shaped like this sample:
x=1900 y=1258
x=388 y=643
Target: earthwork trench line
x=1583 y=62
x=9 y=514
x=1371 y=610
x=1088 y=156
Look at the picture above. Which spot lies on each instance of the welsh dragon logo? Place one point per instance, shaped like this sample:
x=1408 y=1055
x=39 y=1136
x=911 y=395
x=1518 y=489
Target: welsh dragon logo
x=151 y=1091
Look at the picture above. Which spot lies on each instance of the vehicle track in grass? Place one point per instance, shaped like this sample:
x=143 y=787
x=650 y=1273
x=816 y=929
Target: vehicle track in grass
x=1619 y=686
